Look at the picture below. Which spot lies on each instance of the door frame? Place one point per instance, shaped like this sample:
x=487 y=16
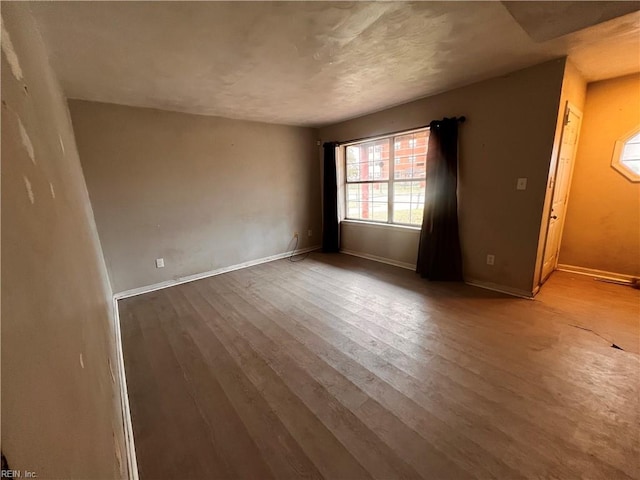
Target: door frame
x=569 y=108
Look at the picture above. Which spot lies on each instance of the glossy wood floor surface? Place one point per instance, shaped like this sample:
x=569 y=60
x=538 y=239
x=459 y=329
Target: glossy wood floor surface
x=338 y=367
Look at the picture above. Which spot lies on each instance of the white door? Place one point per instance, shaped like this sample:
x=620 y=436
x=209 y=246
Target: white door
x=561 y=182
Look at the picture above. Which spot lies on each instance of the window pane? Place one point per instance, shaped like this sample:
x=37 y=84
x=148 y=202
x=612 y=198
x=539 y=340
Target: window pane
x=368 y=161
x=633 y=165
x=408 y=202
x=368 y=201
x=631 y=154
x=410 y=152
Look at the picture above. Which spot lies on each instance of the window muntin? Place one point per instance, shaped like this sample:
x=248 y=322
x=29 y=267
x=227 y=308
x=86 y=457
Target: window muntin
x=368 y=161
x=386 y=178
x=368 y=201
x=408 y=202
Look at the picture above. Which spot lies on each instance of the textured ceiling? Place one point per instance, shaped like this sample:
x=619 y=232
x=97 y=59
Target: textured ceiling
x=307 y=63
x=544 y=20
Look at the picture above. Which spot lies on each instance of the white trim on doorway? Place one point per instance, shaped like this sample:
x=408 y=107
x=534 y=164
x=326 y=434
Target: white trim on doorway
x=132 y=462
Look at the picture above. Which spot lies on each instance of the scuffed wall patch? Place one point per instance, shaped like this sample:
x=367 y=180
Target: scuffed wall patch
x=9 y=52
x=113 y=377
x=27 y=185
x=118 y=448
x=26 y=141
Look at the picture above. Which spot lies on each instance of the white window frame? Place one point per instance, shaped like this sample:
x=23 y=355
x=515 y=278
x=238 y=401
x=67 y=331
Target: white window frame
x=392 y=148
x=617 y=161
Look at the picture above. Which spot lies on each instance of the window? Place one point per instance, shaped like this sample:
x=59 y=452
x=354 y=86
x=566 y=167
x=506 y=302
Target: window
x=386 y=178
x=626 y=156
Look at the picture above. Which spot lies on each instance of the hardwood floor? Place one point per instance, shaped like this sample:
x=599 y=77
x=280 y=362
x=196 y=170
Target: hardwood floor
x=338 y=367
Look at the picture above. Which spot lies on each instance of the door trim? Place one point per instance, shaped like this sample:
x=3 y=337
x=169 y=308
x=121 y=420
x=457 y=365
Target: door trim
x=569 y=107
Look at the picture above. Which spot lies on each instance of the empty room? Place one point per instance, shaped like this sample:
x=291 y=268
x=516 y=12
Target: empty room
x=341 y=240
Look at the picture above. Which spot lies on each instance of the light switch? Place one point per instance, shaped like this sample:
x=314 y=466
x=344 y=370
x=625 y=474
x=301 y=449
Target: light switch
x=159 y=262
x=521 y=184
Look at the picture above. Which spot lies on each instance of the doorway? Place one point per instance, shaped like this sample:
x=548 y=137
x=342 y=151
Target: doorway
x=561 y=182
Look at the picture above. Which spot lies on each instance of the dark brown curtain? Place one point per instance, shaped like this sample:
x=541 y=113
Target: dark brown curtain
x=330 y=228
x=439 y=256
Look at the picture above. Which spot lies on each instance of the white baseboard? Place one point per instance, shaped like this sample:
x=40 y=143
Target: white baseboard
x=476 y=283
x=516 y=292
x=132 y=462
x=375 y=258
x=592 y=272
x=190 y=278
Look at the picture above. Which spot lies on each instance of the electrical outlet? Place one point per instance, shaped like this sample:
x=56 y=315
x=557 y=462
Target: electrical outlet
x=521 y=184
x=491 y=259
x=159 y=262
x=310 y=233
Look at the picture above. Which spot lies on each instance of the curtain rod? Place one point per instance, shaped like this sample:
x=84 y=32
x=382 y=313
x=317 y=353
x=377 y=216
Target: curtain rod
x=460 y=119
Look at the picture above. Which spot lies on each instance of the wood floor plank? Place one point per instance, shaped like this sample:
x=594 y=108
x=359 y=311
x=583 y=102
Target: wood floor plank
x=413 y=413
x=617 y=375
x=280 y=450
x=339 y=367
x=424 y=394
x=363 y=303
x=228 y=434
x=545 y=436
x=186 y=460
x=265 y=336
x=478 y=349
x=328 y=454
x=381 y=420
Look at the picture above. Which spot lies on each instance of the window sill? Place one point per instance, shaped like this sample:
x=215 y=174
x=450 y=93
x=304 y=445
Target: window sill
x=383 y=226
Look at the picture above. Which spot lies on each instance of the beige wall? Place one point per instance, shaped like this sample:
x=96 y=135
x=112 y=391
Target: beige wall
x=201 y=192
x=602 y=229
x=60 y=409
x=397 y=245
x=508 y=134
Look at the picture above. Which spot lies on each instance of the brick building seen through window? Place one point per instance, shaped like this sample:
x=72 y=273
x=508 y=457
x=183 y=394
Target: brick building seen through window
x=386 y=178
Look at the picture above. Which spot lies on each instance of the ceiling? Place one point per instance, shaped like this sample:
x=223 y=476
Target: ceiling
x=315 y=63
